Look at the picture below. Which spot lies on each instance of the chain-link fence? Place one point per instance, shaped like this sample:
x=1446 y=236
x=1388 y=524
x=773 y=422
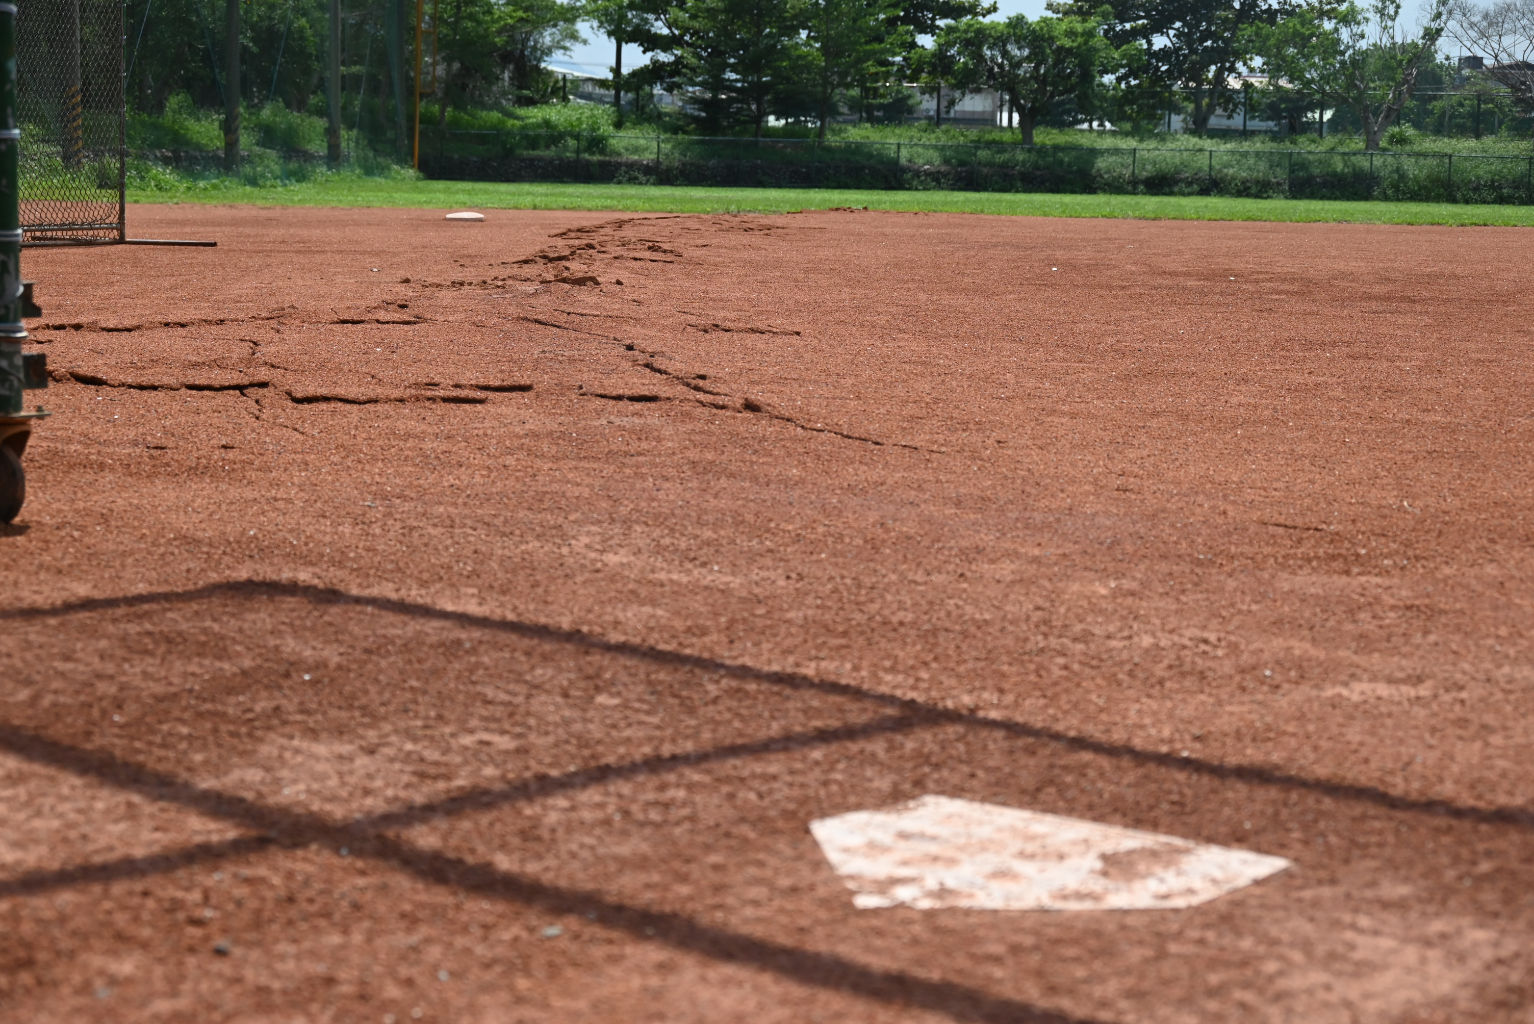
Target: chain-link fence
x=69 y=66
x=978 y=167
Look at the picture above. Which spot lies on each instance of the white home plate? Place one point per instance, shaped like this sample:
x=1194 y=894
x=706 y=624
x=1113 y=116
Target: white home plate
x=465 y=215
x=938 y=852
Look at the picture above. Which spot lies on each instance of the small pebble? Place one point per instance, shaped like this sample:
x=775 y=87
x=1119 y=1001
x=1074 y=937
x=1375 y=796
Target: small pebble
x=221 y=947
x=553 y=931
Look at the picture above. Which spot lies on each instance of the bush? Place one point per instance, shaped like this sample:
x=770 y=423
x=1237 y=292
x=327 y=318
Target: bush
x=181 y=126
x=274 y=126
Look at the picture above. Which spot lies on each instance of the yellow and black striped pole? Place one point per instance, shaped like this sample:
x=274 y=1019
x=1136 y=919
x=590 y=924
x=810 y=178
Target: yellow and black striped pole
x=74 y=126
x=18 y=371
x=73 y=113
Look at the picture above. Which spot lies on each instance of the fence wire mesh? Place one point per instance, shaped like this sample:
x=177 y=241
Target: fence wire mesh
x=1353 y=175
x=69 y=66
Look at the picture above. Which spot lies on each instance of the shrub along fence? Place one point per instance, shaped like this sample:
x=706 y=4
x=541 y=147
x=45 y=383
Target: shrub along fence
x=980 y=167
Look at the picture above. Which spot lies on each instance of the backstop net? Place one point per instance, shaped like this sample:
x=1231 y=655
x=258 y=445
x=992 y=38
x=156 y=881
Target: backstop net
x=69 y=68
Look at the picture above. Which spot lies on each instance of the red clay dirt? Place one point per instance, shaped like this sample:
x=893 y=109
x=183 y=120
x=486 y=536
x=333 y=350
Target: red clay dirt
x=414 y=620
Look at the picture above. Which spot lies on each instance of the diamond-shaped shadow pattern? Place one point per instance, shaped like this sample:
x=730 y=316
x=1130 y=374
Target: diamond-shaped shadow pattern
x=940 y=852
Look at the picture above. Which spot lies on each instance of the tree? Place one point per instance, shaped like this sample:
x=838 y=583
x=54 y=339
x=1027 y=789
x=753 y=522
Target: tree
x=851 y=45
x=490 y=49
x=1196 y=46
x=527 y=34
x=1032 y=63
x=1503 y=34
x=623 y=22
x=926 y=17
x=734 y=57
x=1353 y=57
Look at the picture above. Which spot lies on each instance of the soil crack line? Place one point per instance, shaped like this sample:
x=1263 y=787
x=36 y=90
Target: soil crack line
x=692 y=382
x=92 y=380
x=98 y=327
x=541 y=322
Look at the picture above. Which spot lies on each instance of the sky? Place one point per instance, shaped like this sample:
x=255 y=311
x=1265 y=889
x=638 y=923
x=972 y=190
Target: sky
x=596 y=56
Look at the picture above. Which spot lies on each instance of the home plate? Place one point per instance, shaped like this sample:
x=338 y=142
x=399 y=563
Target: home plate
x=937 y=852
x=465 y=215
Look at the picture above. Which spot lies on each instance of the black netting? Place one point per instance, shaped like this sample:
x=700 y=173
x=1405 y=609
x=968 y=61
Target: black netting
x=69 y=64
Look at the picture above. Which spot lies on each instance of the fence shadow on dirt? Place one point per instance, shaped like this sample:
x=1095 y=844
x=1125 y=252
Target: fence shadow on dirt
x=926 y=712
x=369 y=837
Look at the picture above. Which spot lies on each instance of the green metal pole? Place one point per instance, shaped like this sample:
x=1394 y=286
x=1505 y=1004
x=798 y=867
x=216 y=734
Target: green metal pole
x=18 y=371
x=12 y=334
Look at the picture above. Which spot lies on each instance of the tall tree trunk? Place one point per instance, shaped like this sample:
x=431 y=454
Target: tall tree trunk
x=333 y=90
x=1025 y=121
x=1203 y=110
x=231 y=84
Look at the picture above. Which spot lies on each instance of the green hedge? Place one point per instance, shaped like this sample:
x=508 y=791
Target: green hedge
x=488 y=155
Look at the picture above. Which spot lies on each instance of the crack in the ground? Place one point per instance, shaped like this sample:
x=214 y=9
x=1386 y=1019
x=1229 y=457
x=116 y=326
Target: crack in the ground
x=99 y=327
x=692 y=382
x=716 y=328
x=541 y=322
x=597 y=316
x=751 y=405
x=1294 y=526
x=321 y=397
x=625 y=396
x=552 y=255
x=94 y=381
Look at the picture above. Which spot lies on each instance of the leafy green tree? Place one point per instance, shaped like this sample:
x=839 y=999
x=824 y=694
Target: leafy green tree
x=734 y=58
x=1032 y=63
x=1197 y=47
x=1354 y=57
x=852 y=45
x=623 y=22
x=925 y=17
x=527 y=34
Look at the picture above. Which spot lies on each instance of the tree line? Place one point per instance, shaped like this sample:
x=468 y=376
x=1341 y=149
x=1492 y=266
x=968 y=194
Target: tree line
x=739 y=64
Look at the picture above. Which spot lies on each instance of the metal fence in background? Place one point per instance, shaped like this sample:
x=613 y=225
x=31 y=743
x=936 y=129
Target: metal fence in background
x=991 y=167
x=72 y=117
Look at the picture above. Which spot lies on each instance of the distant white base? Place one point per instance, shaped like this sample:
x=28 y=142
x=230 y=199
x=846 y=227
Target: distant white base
x=465 y=215
x=938 y=852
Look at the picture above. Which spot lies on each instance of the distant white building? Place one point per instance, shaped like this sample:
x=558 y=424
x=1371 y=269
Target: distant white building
x=578 y=83
x=1240 y=116
x=981 y=109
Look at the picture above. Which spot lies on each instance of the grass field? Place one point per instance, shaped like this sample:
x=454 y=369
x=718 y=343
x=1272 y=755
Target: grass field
x=355 y=191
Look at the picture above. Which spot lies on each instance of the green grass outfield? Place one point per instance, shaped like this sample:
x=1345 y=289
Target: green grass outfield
x=350 y=190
